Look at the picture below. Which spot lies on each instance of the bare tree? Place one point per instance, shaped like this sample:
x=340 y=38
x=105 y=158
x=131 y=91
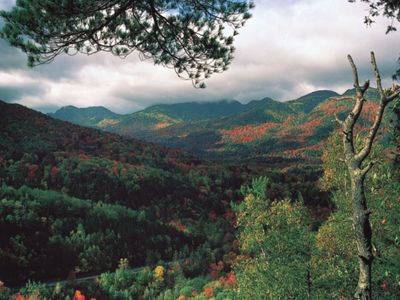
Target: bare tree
x=358 y=169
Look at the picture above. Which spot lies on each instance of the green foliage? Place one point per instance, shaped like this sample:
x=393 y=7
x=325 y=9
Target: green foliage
x=336 y=176
x=76 y=199
x=36 y=289
x=275 y=247
x=42 y=226
x=334 y=265
x=257 y=188
x=193 y=37
x=124 y=283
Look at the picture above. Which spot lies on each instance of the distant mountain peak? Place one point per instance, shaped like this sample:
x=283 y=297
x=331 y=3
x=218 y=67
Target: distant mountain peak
x=87 y=116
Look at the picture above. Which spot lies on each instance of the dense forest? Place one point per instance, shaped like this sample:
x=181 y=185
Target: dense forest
x=76 y=201
x=221 y=200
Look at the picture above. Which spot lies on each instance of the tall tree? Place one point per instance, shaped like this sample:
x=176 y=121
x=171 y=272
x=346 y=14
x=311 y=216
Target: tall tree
x=194 y=37
x=355 y=161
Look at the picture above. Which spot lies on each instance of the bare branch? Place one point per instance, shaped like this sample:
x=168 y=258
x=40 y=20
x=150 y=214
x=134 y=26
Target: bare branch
x=395 y=93
x=355 y=72
x=366 y=169
x=378 y=77
x=337 y=119
x=365 y=86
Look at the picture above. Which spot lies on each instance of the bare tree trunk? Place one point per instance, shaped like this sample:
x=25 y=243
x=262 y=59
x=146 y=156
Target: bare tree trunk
x=355 y=162
x=363 y=233
x=396 y=135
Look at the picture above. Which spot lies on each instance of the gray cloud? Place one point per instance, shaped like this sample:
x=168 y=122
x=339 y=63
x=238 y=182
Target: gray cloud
x=287 y=49
x=12 y=93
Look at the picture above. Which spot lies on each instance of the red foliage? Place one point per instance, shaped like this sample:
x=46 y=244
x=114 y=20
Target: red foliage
x=83 y=156
x=229 y=279
x=332 y=107
x=19 y=297
x=230 y=216
x=246 y=133
x=54 y=172
x=32 y=169
x=114 y=170
x=212 y=215
x=215 y=268
x=384 y=285
x=321 y=213
x=309 y=126
x=78 y=296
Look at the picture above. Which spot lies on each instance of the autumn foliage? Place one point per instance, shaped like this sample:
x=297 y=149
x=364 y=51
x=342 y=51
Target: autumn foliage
x=247 y=133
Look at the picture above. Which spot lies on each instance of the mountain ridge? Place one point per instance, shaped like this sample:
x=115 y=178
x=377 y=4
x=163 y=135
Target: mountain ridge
x=262 y=129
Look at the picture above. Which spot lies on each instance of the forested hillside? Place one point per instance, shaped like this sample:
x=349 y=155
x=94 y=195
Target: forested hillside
x=77 y=201
x=260 y=131
x=88 y=196
x=91 y=196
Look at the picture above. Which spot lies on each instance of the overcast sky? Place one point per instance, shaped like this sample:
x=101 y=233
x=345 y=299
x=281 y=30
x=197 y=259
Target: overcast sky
x=289 y=48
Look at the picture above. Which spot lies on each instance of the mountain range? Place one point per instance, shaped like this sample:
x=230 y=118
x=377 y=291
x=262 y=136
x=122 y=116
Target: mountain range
x=229 y=130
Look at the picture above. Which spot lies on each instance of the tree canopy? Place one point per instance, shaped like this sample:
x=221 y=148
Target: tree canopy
x=194 y=37
x=386 y=8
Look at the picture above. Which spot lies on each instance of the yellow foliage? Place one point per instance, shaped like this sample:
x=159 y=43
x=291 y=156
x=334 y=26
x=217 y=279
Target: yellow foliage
x=335 y=237
x=159 y=273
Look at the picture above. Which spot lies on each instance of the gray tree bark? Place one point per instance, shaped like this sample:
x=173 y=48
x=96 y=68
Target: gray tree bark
x=355 y=162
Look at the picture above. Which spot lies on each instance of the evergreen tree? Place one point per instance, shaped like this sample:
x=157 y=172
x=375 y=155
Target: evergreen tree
x=193 y=37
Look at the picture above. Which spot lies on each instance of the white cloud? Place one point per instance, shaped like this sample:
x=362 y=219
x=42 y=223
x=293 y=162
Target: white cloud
x=287 y=49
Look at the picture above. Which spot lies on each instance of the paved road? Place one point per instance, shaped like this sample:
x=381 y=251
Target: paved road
x=94 y=277
x=87 y=278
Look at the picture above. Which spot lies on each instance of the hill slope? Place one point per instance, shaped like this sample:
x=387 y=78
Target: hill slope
x=75 y=198
x=89 y=116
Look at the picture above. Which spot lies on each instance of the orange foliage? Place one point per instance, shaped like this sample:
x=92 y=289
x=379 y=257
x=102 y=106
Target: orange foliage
x=309 y=126
x=247 y=133
x=299 y=152
x=162 y=125
x=178 y=225
x=181 y=297
x=19 y=297
x=332 y=107
x=78 y=296
x=209 y=292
